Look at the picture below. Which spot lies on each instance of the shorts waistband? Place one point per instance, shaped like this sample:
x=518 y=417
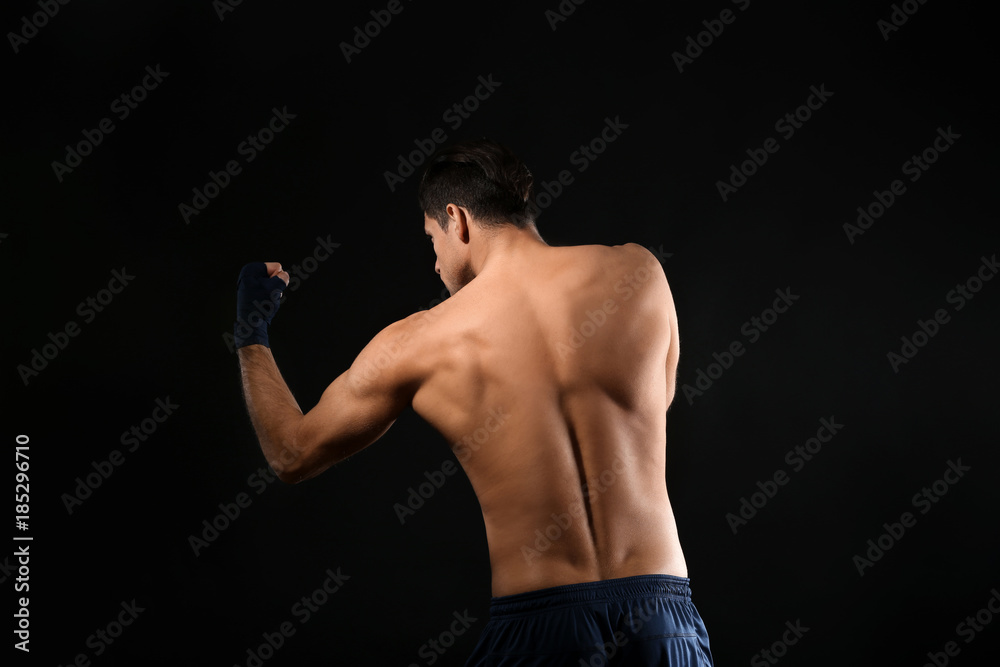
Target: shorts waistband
x=643 y=585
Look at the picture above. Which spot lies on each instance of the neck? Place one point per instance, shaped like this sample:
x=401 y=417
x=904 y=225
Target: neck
x=504 y=244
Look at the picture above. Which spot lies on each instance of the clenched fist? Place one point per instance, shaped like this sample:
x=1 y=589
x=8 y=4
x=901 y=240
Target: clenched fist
x=258 y=295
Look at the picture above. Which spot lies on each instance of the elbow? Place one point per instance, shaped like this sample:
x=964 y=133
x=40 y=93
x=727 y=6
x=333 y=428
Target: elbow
x=300 y=460
x=298 y=474
x=286 y=472
x=288 y=477
x=291 y=464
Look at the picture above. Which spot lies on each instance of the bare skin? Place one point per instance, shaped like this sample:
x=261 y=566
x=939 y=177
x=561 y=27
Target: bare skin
x=549 y=371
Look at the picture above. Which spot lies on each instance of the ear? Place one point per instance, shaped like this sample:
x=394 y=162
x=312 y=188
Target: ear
x=458 y=221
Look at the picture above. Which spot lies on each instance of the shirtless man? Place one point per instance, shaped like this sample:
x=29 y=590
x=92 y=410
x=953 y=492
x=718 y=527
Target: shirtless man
x=550 y=369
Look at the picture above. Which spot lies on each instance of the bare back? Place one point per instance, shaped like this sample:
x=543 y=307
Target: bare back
x=550 y=375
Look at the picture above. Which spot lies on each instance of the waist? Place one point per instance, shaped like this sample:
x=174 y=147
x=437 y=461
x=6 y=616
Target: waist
x=622 y=588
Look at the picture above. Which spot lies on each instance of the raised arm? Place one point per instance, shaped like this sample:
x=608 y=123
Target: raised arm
x=353 y=412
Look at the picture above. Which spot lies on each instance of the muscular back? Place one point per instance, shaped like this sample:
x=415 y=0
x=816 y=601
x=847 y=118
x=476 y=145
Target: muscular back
x=550 y=375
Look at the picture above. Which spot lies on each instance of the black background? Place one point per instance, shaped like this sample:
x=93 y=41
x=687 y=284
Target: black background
x=323 y=177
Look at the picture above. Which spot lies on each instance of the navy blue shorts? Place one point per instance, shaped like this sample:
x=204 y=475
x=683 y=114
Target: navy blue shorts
x=643 y=620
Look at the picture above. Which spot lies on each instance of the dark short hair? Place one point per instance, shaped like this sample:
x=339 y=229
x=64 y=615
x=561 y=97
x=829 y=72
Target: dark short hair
x=484 y=177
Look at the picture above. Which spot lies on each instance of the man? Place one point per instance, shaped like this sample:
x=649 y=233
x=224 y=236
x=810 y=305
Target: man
x=551 y=370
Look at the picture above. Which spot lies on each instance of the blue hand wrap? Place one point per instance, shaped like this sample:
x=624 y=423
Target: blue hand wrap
x=257 y=300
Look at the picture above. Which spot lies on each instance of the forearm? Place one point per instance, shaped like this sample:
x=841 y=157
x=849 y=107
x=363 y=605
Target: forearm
x=274 y=412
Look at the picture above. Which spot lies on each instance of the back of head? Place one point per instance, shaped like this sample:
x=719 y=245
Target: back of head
x=484 y=177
